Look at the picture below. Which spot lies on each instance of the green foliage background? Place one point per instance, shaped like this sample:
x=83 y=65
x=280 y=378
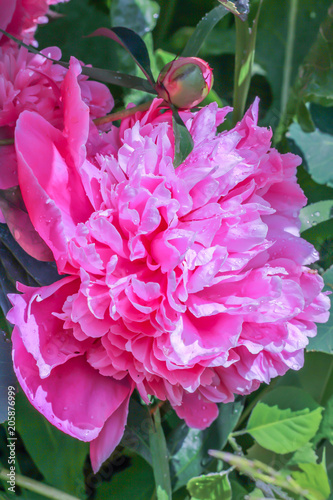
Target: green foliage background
x=280 y=438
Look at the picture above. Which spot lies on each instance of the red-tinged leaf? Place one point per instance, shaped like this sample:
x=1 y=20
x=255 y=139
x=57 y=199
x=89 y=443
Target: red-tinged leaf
x=134 y=45
x=20 y=225
x=32 y=49
x=102 y=75
x=120 y=79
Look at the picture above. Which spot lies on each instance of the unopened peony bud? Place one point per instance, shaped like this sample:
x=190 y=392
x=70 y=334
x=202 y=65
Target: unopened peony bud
x=185 y=82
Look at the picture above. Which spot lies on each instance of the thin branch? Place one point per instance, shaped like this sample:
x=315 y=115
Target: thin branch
x=37 y=486
x=288 y=60
x=124 y=113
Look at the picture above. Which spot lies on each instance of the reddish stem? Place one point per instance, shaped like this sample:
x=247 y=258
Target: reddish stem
x=124 y=113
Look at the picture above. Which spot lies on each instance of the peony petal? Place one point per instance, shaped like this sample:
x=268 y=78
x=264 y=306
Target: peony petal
x=35 y=313
x=197 y=411
x=54 y=196
x=75 y=397
x=110 y=436
x=7 y=10
x=20 y=225
x=76 y=114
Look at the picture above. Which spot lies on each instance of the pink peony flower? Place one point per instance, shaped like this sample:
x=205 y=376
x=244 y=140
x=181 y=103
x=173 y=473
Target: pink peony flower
x=21 y=17
x=31 y=82
x=190 y=284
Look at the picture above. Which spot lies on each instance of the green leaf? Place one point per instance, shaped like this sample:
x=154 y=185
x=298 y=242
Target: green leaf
x=316 y=70
x=283 y=431
x=304 y=455
x=183 y=139
x=246 y=68
x=188 y=447
x=187 y=450
x=313 y=214
x=214 y=97
x=7 y=377
x=44 y=273
x=79 y=18
x=135 y=482
x=160 y=456
x=262 y=473
x=202 y=30
x=136 y=435
x=318 y=67
x=210 y=487
x=304 y=118
x=11 y=271
x=134 y=45
x=314 y=479
x=59 y=457
x=102 y=75
x=238 y=491
x=257 y=452
x=317 y=148
x=321 y=237
x=135 y=97
x=322 y=117
x=323 y=342
x=256 y=494
x=120 y=79
x=312 y=190
x=5 y=287
x=138 y=15
x=163 y=57
x=4 y=324
x=292 y=398
x=316 y=376
x=326 y=425
x=272 y=35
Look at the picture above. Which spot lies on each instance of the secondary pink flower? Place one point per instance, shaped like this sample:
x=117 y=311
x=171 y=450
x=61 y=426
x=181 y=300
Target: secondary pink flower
x=21 y=17
x=32 y=82
x=188 y=284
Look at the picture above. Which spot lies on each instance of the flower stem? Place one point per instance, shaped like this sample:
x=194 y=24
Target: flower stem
x=160 y=458
x=245 y=49
x=234 y=445
x=260 y=471
x=288 y=60
x=124 y=113
x=37 y=486
x=240 y=86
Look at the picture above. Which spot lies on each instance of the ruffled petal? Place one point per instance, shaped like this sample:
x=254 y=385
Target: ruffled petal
x=109 y=437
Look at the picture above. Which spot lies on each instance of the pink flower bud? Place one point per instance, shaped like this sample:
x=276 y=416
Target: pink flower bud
x=185 y=82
